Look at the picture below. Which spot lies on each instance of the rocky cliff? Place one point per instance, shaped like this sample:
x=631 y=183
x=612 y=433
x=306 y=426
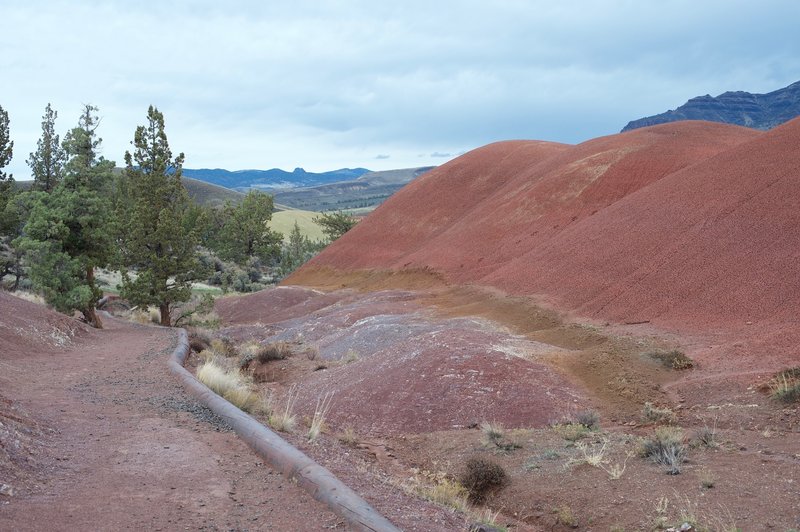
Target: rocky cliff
x=758 y=111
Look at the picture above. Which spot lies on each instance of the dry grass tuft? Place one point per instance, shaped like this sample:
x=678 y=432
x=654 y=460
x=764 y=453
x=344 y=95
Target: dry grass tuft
x=666 y=447
x=674 y=359
x=653 y=414
x=320 y=413
x=785 y=386
x=231 y=385
x=29 y=297
x=285 y=421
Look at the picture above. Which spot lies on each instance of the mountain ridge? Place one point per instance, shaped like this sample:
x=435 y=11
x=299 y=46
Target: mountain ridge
x=272 y=178
x=756 y=111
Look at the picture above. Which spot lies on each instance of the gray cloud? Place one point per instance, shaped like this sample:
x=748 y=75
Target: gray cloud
x=329 y=84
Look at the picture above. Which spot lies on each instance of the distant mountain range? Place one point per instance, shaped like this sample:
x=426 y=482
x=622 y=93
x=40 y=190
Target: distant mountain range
x=271 y=179
x=367 y=191
x=757 y=111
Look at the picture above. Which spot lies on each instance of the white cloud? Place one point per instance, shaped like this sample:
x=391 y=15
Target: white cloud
x=330 y=84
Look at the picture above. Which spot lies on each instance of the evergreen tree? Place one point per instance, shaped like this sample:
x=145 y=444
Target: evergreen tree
x=335 y=224
x=47 y=162
x=6 y=180
x=9 y=257
x=157 y=243
x=245 y=234
x=67 y=234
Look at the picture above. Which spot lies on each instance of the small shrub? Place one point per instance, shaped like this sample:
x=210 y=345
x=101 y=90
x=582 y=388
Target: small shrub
x=592 y=456
x=312 y=352
x=707 y=479
x=276 y=351
x=223 y=346
x=674 y=359
x=564 y=516
x=589 y=419
x=494 y=434
x=348 y=437
x=785 y=385
x=481 y=476
x=707 y=436
x=654 y=414
x=571 y=431
x=666 y=447
x=492 y=431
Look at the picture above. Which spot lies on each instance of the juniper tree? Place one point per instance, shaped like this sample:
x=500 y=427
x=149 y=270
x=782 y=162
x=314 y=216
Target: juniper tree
x=67 y=234
x=47 y=162
x=157 y=245
x=245 y=234
x=335 y=224
x=6 y=180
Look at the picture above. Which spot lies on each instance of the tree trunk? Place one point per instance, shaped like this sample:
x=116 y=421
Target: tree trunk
x=92 y=318
x=90 y=313
x=164 y=308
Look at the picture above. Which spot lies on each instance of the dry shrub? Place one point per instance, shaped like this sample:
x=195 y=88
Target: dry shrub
x=653 y=414
x=223 y=346
x=674 y=359
x=29 y=297
x=482 y=476
x=571 y=431
x=231 y=385
x=276 y=351
x=785 y=385
x=666 y=447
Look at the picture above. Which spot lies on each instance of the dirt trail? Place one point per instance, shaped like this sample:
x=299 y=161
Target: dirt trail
x=125 y=448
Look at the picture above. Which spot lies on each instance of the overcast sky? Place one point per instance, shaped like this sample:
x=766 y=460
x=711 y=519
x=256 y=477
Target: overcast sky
x=332 y=84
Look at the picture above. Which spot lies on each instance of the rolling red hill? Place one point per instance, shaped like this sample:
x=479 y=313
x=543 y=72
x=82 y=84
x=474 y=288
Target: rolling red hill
x=692 y=225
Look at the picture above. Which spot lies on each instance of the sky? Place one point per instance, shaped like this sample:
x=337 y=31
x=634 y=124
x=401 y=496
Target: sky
x=332 y=84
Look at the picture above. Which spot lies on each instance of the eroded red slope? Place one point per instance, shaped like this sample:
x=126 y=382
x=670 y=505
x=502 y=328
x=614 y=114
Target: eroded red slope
x=472 y=216
x=691 y=224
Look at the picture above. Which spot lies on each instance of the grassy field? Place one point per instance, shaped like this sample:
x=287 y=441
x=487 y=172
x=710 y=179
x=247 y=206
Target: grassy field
x=283 y=222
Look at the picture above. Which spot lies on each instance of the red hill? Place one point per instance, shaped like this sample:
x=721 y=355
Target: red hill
x=690 y=224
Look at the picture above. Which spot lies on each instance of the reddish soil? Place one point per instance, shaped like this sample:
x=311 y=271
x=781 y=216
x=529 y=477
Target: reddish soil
x=414 y=374
x=688 y=228
x=96 y=436
x=681 y=235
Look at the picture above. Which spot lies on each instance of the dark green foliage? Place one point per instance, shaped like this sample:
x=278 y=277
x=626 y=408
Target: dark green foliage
x=67 y=233
x=6 y=147
x=6 y=180
x=158 y=243
x=243 y=233
x=47 y=162
x=296 y=251
x=482 y=476
x=335 y=224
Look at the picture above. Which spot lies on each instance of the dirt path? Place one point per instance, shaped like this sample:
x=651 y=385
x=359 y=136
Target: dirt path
x=126 y=448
